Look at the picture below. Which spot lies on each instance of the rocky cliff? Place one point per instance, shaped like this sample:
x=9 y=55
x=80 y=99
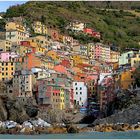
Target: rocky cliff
x=11 y=109
x=130 y=115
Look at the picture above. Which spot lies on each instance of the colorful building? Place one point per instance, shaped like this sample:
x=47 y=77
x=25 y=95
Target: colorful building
x=80 y=94
x=14 y=26
x=16 y=36
x=30 y=61
x=7 y=70
x=135 y=61
x=62 y=101
x=23 y=82
x=53 y=55
x=125 y=58
x=114 y=56
x=40 y=28
x=76 y=26
x=5 y=45
x=7 y=56
x=126 y=79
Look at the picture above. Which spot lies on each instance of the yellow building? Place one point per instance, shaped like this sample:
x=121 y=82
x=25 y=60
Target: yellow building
x=5 y=45
x=76 y=59
x=7 y=70
x=126 y=80
x=40 y=50
x=14 y=26
x=50 y=65
x=40 y=28
x=135 y=61
x=53 y=55
x=38 y=41
x=22 y=50
x=114 y=56
x=62 y=101
x=90 y=50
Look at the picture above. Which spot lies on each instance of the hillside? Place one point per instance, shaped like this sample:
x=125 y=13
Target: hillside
x=120 y=27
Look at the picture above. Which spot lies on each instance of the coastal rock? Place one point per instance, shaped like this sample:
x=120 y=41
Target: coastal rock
x=27 y=131
x=31 y=111
x=72 y=129
x=27 y=124
x=13 y=109
x=129 y=115
x=3 y=111
x=56 y=130
x=40 y=123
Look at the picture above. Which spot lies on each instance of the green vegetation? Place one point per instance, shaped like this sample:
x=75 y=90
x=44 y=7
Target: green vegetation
x=120 y=27
x=2 y=24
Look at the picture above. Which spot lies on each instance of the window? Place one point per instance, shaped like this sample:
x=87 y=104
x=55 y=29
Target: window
x=75 y=83
x=76 y=88
x=2 y=79
x=80 y=92
x=2 y=64
x=10 y=91
x=80 y=98
x=11 y=63
x=76 y=93
x=2 y=73
x=2 y=68
x=11 y=68
x=6 y=68
x=6 y=64
x=80 y=88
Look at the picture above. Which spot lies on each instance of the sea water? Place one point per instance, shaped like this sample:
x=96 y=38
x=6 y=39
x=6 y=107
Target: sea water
x=87 y=135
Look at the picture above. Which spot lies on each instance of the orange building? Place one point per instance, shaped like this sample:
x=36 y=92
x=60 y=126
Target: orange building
x=126 y=79
x=30 y=61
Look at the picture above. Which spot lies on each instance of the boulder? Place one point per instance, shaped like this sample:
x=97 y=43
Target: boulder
x=27 y=131
x=72 y=129
x=31 y=111
x=27 y=124
x=13 y=109
x=40 y=123
x=3 y=111
x=56 y=130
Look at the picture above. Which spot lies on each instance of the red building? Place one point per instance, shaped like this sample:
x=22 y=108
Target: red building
x=88 y=31
x=66 y=63
x=92 y=32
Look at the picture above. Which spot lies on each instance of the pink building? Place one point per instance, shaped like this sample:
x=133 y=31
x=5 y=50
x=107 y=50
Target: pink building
x=97 y=51
x=7 y=56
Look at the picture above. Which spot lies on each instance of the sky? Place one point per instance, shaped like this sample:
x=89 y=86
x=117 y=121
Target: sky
x=4 y=5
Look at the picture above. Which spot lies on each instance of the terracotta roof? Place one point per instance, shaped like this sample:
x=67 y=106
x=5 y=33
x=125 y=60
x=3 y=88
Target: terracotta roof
x=60 y=68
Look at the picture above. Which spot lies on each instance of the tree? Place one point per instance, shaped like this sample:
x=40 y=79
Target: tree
x=43 y=19
x=137 y=77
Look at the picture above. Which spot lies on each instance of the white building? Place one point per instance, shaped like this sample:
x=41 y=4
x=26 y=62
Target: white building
x=80 y=93
x=76 y=26
x=16 y=36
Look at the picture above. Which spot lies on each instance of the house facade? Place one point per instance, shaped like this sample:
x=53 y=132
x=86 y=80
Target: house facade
x=80 y=94
x=23 y=82
x=5 y=45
